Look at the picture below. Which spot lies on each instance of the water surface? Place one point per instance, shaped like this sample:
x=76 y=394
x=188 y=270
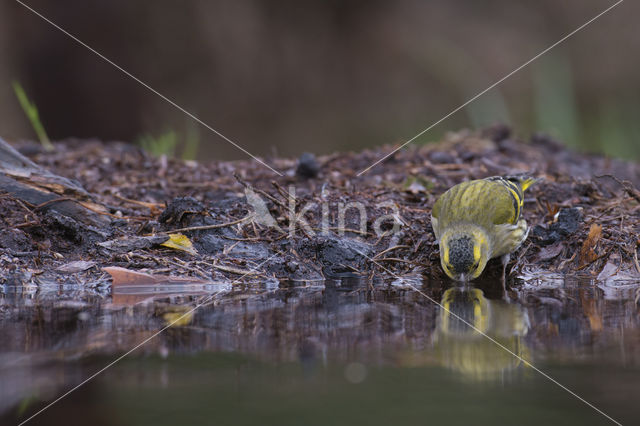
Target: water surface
x=341 y=352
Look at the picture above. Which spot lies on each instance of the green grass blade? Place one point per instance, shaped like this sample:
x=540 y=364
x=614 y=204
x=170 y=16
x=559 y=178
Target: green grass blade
x=31 y=112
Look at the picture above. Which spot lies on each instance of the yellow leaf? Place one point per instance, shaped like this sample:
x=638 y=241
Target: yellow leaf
x=178 y=319
x=180 y=242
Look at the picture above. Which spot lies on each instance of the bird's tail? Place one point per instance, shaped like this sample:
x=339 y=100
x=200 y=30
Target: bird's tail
x=525 y=181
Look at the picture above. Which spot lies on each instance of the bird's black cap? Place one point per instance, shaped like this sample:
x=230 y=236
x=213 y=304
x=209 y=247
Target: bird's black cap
x=461 y=254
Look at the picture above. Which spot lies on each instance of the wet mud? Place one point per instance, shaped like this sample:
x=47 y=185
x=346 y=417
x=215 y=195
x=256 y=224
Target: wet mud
x=319 y=218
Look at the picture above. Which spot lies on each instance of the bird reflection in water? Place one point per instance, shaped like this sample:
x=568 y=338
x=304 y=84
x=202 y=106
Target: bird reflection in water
x=468 y=350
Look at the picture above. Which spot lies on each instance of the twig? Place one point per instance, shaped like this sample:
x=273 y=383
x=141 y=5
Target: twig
x=350 y=267
x=418 y=245
x=17 y=200
x=245 y=239
x=626 y=185
x=150 y=206
x=216 y=226
x=282 y=192
x=586 y=265
x=25 y=224
x=228 y=250
x=395 y=259
x=234 y=270
x=519 y=259
x=389 y=249
x=567 y=261
x=188 y=268
x=259 y=191
x=336 y=228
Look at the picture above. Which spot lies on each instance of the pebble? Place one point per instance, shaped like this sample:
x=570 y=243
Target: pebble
x=308 y=166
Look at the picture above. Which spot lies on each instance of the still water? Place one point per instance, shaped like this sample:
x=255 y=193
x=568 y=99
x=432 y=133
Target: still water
x=346 y=352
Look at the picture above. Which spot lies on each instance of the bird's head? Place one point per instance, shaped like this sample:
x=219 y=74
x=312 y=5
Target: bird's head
x=464 y=252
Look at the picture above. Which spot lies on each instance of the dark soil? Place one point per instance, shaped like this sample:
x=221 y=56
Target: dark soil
x=148 y=198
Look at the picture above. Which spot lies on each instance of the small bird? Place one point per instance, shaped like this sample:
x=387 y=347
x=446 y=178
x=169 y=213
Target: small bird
x=478 y=220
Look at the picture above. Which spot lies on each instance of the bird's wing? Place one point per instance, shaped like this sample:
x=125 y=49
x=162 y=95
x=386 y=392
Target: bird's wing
x=436 y=228
x=507 y=200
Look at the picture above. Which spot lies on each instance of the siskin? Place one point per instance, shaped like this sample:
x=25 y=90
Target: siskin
x=478 y=220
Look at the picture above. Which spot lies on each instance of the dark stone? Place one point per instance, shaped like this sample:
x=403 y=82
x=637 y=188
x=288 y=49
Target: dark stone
x=497 y=132
x=308 y=166
x=338 y=255
x=180 y=206
x=15 y=240
x=209 y=243
x=212 y=243
x=568 y=222
x=72 y=231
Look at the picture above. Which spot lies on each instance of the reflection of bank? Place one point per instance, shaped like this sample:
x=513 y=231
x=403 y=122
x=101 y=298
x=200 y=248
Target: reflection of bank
x=465 y=349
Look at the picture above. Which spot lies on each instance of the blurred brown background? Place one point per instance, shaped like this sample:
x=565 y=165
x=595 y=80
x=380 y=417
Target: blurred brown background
x=291 y=75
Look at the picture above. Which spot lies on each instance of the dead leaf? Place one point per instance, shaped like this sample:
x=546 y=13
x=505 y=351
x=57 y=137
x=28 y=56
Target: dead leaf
x=128 y=277
x=587 y=251
x=180 y=242
x=593 y=311
x=132 y=287
x=77 y=266
x=123 y=276
x=609 y=270
x=549 y=252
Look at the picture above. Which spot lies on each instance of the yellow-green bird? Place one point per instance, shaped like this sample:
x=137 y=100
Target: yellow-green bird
x=478 y=220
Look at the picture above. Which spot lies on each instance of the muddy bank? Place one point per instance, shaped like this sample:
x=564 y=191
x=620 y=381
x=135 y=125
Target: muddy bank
x=320 y=219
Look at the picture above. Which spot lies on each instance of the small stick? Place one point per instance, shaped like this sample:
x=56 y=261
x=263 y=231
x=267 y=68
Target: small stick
x=188 y=268
x=227 y=250
x=150 y=206
x=259 y=191
x=389 y=249
x=245 y=239
x=395 y=259
x=336 y=228
x=234 y=270
x=351 y=267
x=626 y=185
x=282 y=192
x=216 y=226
